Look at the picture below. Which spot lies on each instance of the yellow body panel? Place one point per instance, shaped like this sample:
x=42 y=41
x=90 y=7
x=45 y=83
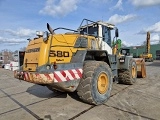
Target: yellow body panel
x=59 y=48
x=61 y=42
x=44 y=49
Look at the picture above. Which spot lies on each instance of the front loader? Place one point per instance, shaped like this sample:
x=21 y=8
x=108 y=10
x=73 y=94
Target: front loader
x=79 y=60
x=140 y=62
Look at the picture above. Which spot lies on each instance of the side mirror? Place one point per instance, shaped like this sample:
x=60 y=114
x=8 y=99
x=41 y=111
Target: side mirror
x=45 y=36
x=50 y=29
x=116 y=33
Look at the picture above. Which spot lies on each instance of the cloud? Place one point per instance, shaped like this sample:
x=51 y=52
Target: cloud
x=155 y=37
x=21 y=32
x=145 y=3
x=118 y=5
x=124 y=43
x=117 y=19
x=102 y=1
x=61 y=8
x=15 y=37
x=11 y=41
x=152 y=29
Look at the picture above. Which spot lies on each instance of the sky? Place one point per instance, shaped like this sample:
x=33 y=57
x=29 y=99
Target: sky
x=20 y=19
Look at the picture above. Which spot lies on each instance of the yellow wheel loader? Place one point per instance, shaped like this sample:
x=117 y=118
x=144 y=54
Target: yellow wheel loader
x=79 y=60
x=147 y=55
x=140 y=62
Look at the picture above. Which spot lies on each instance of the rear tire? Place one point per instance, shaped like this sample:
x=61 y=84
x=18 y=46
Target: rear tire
x=129 y=76
x=96 y=83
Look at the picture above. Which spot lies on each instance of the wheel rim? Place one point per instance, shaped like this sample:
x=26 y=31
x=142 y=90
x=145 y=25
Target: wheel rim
x=133 y=71
x=103 y=83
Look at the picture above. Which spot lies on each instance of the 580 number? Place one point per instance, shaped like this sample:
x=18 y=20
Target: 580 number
x=54 y=53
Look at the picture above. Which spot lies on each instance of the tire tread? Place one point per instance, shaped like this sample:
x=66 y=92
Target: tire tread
x=84 y=88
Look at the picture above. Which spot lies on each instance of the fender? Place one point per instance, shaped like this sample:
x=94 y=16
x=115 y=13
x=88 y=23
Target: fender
x=98 y=55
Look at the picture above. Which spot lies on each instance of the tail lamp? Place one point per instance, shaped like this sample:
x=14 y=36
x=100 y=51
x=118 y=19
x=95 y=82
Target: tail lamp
x=55 y=65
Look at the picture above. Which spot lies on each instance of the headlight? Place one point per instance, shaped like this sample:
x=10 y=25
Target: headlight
x=39 y=33
x=122 y=59
x=45 y=36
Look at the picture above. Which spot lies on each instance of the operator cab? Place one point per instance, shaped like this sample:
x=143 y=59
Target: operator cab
x=101 y=31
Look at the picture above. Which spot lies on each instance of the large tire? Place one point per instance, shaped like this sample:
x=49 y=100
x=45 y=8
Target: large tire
x=128 y=76
x=96 y=83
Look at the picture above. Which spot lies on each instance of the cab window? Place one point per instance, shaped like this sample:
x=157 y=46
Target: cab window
x=81 y=42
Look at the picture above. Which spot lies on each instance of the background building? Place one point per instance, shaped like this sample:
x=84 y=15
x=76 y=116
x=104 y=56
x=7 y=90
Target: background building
x=154 y=50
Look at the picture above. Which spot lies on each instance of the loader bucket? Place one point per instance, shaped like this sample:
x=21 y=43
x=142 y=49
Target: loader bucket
x=141 y=67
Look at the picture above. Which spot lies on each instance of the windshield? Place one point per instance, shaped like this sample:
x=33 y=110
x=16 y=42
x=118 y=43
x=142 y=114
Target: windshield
x=103 y=32
x=90 y=30
x=106 y=32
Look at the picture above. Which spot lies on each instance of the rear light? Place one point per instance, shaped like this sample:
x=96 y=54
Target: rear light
x=55 y=65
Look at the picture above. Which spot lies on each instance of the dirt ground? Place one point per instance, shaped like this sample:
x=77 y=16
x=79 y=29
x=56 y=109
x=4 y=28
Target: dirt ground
x=20 y=100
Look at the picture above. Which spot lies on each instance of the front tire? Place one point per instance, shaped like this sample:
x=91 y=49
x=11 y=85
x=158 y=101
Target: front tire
x=128 y=76
x=96 y=83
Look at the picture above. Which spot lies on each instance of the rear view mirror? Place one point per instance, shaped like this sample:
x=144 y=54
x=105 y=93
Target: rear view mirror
x=50 y=29
x=116 y=33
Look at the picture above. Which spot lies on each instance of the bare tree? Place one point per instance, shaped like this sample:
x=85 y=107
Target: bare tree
x=7 y=55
